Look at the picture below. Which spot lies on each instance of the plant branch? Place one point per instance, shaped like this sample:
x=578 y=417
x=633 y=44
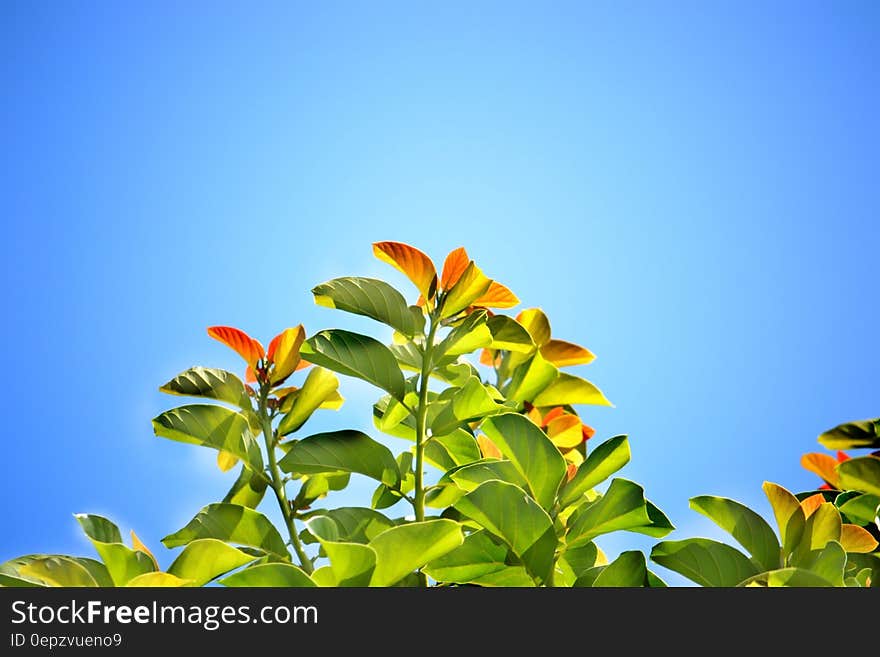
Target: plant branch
x=278 y=483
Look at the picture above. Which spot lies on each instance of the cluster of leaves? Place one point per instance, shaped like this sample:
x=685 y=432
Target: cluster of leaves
x=497 y=484
x=827 y=537
x=498 y=478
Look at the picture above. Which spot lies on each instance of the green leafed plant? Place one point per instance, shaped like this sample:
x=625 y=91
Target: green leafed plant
x=813 y=547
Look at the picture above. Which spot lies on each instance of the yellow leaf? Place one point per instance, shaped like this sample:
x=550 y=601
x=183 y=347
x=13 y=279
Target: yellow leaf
x=823 y=465
x=565 y=431
x=410 y=261
x=496 y=296
x=284 y=353
x=226 y=461
x=536 y=324
x=333 y=401
x=137 y=544
x=574 y=457
x=857 y=539
x=472 y=284
x=163 y=580
x=563 y=354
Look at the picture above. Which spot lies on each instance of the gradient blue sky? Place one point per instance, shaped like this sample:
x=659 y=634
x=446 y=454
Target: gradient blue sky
x=689 y=189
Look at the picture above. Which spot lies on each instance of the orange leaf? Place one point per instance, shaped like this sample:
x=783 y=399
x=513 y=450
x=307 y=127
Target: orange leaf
x=137 y=544
x=534 y=415
x=487 y=448
x=497 y=296
x=454 y=266
x=562 y=353
x=823 y=465
x=537 y=324
x=490 y=357
x=248 y=348
x=303 y=364
x=284 y=353
x=842 y=456
x=565 y=431
x=570 y=471
x=250 y=375
x=812 y=503
x=416 y=265
x=587 y=432
x=552 y=415
x=856 y=539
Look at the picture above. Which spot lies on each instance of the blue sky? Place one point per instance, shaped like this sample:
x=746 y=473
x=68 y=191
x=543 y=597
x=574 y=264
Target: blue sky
x=688 y=189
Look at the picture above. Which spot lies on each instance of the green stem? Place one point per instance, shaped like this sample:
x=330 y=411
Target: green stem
x=278 y=483
x=421 y=430
x=421 y=422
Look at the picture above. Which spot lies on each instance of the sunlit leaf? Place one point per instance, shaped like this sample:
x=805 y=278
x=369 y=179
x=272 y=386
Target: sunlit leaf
x=537 y=324
x=470 y=286
x=206 y=559
x=857 y=539
x=405 y=548
x=601 y=463
x=211 y=426
x=622 y=507
x=414 y=264
x=122 y=562
x=356 y=355
x=511 y=514
x=510 y=335
x=234 y=524
x=58 y=571
x=567 y=389
x=853 y=435
x=496 y=296
x=478 y=556
x=211 y=383
x=371 y=298
x=284 y=353
x=530 y=378
x=790 y=516
x=628 y=570
x=747 y=527
x=563 y=354
x=472 y=334
x=453 y=267
x=248 y=489
x=531 y=452
x=269 y=575
x=320 y=386
x=862 y=473
x=823 y=465
x=704 y=561
x=342 y=451
x=239 y=341
x=349 y=524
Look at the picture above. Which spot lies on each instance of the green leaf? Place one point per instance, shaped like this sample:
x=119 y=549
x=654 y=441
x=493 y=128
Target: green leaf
x=351 y=524
x=628 y=570
x=853 y=435
x=372 y=298
x=862 y=473
x=351 y=564
x=473 y=400
x=408 y=355
x=509 y=513
x=233 y=524
x=860 y=509
x=531 y=452
x=122 y=562
x=248 y=489
x=470 y=476
x=206 y=559
x=567 y=390
x=319 y=386
x=453 y=449
x=790 y=518
x=530 y=378
x=788 y=577
x=211 y=383
x=478 y=556
x=828 y=563
x=405 y=548
x=156 y=580
x=356 y=355
x=342 y=451
x=318 y=485
x=704 y=561
x=58 y=571
x=510 y=335
x=748 y=528
x=269 y=575
x=601 y=463
x=622 y=507
x=574 y=562
x=823 y=525
x=471 y=334
x=659 y=525
x=211 y=426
